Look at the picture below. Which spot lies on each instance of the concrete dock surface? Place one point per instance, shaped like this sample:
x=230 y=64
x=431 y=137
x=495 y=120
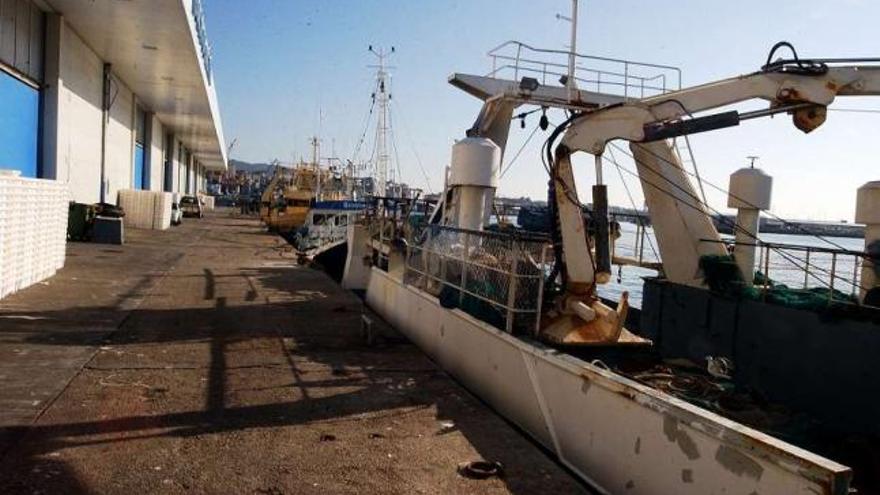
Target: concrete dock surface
x=202 y=359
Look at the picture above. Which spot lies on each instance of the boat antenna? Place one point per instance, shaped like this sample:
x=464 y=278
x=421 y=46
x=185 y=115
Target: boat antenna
x=572 y=54
x=751 y=160
x=382 y=96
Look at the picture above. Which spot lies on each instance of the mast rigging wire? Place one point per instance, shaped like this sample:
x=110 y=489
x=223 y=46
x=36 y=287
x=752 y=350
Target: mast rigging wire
x=367 y=120
x=415 y=151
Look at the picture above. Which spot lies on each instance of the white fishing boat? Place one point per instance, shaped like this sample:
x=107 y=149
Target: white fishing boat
x=711 y=393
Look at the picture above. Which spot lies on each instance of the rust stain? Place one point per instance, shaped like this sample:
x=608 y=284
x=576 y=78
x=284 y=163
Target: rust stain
x=687 y=475
x=612 y=386
x=677 y=435
x=738 y=463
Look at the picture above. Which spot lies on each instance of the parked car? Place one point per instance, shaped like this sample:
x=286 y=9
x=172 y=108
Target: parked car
x=176 y=214
x=190 y=206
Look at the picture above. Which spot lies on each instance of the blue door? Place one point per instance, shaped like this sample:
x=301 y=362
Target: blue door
x=139 y=162
x=140 y=140
x=19 y=125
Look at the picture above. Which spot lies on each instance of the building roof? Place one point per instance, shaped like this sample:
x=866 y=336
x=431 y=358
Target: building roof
x=160 y=50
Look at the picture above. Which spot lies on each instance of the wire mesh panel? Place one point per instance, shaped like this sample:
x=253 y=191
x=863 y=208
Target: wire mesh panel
x=497 y=278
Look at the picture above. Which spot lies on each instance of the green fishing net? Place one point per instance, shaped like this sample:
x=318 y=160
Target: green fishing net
x=723 y=276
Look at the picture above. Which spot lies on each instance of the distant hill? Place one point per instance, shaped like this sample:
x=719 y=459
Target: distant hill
x=250 y=167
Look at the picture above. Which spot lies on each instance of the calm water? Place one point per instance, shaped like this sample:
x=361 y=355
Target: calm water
x=786 y=268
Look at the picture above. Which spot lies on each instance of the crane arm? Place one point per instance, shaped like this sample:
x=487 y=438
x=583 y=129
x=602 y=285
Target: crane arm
x=681 y=223
x=658 y=117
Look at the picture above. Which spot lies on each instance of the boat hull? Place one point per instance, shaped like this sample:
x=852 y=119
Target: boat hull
x=616 y=434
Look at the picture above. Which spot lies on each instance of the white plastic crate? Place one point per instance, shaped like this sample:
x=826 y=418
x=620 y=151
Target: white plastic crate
x=207 y=201
x=146 y=209
x=33 y=230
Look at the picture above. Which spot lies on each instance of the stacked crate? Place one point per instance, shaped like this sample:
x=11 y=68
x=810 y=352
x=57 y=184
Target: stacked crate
x=161 y=210
x=207 y=202
x=33 y=230
x=146 y=209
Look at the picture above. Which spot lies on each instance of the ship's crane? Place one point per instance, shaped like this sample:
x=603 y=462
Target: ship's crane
x=683 y=227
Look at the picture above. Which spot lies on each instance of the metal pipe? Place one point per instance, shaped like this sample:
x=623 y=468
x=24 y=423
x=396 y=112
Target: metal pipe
x=807 y=269
x=511 y=292
x=766 y=271
x=105 y=120
x=602 y=238
x=855 y=279
x=540 y=301
x=464 y=255
x=642 y=243
x=833 y=276
x=773 y=111
x=516 y=67
x=572 y=56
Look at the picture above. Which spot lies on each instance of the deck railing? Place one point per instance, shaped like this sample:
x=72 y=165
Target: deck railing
x=801 y=266
x=606 y=75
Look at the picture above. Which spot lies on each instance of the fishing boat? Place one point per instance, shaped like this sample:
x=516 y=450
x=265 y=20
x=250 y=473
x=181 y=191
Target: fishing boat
x=727 y=382
x=292 y=193
x=359 y=189
x=286 y=200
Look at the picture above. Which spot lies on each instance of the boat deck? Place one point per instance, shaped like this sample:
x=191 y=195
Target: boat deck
x=202 y=359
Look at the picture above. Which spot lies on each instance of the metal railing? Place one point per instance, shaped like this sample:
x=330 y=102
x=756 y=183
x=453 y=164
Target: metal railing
x=642 y=238
x=318 y=236
x=198 y=13
x=606 y=75
x=805 y=267
x=497 y=278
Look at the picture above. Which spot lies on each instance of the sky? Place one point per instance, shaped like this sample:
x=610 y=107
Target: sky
x=286 y=70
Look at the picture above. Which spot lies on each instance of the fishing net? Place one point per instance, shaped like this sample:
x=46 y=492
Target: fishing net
x=723 y=276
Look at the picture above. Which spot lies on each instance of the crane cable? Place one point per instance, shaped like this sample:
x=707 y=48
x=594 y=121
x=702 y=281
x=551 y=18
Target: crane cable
x=794 y=260
x=519 y=152
x=632 y=201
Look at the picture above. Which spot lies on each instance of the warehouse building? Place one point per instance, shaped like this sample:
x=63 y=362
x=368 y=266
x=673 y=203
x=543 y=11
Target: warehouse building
x=97 y=97
x=105 y=95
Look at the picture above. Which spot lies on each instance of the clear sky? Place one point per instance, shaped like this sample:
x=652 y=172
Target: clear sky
x=279 y=64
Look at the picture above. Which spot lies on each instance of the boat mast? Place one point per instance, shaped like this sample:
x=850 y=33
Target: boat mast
x=382 y=96
x=315 y=142
x=572 y=55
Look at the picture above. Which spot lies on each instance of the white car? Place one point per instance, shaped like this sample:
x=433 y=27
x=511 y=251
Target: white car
x=176 y=214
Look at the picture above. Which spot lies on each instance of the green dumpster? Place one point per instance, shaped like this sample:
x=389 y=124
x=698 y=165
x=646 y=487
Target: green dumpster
x=79 y=221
